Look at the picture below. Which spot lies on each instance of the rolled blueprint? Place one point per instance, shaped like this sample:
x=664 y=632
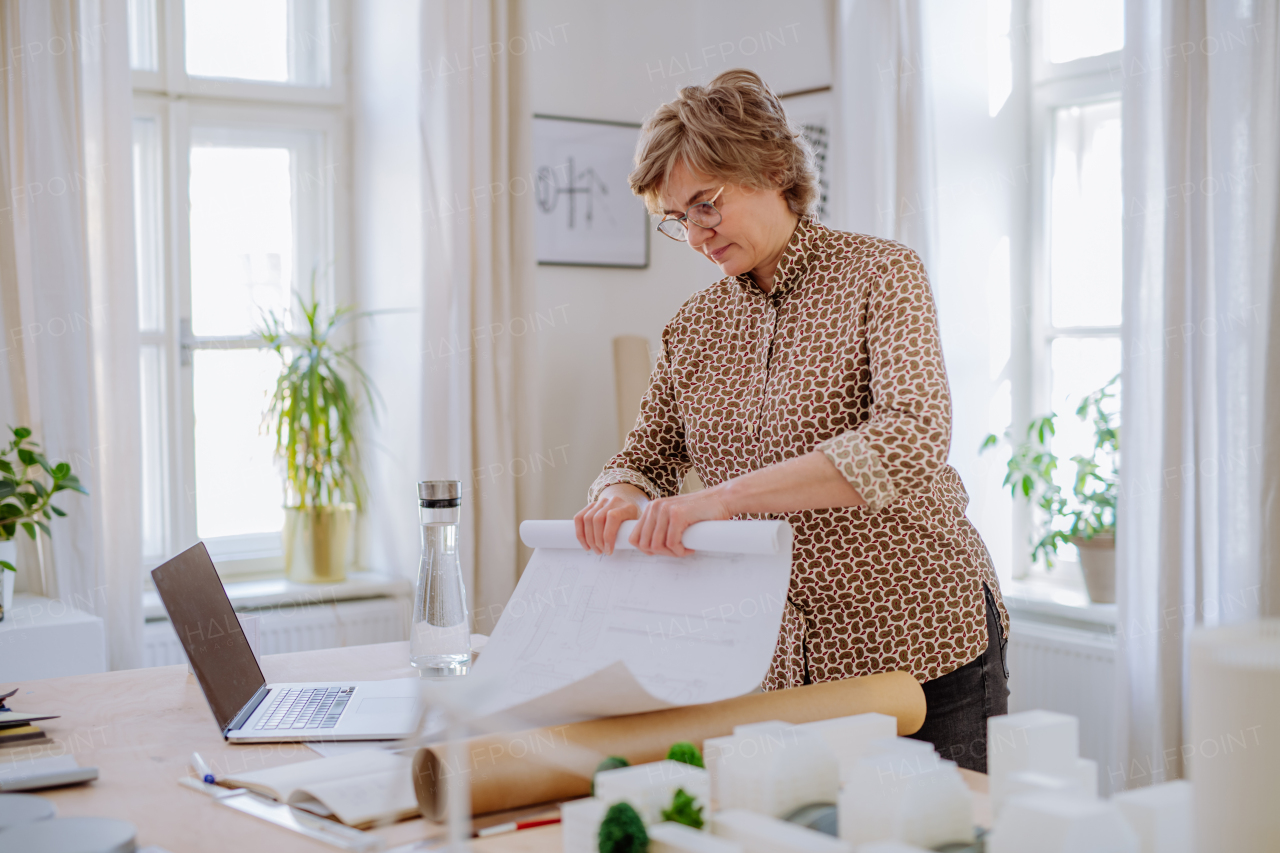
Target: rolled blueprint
x=726 y=537
x=514 y=770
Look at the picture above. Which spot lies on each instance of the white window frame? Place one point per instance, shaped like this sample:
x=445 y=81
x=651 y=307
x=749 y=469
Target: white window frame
x=1080 y=82
x=183 y=107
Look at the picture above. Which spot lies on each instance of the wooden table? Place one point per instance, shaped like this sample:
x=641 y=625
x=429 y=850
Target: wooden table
x=140 y=726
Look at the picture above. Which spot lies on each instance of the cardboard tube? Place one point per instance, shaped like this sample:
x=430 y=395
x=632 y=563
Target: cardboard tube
x=514 y=770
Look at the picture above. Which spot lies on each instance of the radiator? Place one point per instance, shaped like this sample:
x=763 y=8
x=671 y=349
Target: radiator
x=300 y=629
x=1072 y=671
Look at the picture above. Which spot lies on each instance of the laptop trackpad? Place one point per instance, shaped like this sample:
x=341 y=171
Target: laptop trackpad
x=385 y=705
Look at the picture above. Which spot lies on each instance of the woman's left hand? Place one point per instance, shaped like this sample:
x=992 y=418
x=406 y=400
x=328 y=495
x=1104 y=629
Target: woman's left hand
x=663 y=522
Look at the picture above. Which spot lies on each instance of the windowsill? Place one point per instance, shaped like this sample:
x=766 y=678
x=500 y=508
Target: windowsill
x=272 y=593
x=1042 y=599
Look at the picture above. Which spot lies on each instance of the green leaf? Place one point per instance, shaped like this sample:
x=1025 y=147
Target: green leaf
x=30 y=528
x=683 y=810
x=45 y=528
x=5 y=564
x=61 y=471
x=59 y=513
x=7 y=468
x=21 y=432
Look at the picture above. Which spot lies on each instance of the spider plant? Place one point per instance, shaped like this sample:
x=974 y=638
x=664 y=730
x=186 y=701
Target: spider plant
x=314 y=407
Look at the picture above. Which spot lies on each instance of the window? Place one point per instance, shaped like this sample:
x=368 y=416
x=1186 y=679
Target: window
x=1077 y=207
x=237 y=150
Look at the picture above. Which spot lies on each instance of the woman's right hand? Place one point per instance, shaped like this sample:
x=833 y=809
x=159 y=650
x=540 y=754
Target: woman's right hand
x=597 y=523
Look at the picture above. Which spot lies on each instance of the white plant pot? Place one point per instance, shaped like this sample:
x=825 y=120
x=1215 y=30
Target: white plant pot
x=8 y=553
x=1098 y=563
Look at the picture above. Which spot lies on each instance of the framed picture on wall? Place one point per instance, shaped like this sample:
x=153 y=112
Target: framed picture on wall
x=584 y=212
x=813 y=110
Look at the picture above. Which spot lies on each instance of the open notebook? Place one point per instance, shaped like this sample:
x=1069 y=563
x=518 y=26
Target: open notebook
x=360 y=789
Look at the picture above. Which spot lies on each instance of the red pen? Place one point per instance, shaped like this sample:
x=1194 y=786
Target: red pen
x=514 y=826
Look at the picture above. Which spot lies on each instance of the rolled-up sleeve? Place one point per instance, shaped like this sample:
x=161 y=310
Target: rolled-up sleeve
x=655 y=457
x=903 y=444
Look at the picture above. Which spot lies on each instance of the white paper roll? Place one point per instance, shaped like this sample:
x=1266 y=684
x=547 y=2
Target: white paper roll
x=726 y=537
x=1234 y=750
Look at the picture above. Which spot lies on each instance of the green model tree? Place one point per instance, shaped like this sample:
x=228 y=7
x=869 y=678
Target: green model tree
x=622 y=831
x=613 y=762
x=683 y=810
x=686 y=753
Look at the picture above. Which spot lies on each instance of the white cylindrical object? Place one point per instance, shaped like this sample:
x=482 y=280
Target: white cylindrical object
x=1234 y=751
x=728 y=537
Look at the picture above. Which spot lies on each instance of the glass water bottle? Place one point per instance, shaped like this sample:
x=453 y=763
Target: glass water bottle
x=440 y=639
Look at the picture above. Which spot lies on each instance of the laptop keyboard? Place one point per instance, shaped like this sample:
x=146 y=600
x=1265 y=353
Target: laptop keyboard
x=306 y=708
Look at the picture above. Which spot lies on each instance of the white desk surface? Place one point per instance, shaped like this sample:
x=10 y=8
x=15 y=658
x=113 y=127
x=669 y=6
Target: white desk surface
x=139 y=728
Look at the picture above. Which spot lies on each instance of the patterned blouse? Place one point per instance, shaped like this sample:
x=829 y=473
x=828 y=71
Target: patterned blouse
x=843 y=356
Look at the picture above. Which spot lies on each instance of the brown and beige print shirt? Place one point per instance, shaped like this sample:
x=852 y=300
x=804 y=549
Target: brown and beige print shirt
x=842 y=356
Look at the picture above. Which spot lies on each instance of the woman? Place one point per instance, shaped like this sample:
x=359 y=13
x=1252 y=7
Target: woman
x=808 y=385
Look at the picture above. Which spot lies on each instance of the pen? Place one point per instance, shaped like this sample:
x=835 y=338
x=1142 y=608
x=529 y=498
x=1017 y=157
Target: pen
x=513 y=827
x=202 y=769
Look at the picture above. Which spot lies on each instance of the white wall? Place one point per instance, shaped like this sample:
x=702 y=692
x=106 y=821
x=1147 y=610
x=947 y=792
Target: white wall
x=620 y=61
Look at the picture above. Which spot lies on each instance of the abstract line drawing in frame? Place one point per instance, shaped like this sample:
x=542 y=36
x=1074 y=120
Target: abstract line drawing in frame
x=812 y=111
x=584 y=211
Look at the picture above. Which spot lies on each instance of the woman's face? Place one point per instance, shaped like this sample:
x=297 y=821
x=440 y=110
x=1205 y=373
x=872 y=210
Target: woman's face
x=755 y=224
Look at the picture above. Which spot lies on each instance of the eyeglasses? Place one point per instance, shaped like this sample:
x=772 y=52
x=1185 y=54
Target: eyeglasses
x=703 y=214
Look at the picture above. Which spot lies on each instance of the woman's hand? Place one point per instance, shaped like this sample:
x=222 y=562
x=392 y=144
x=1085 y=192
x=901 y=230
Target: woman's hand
x=663 y=522
x=597 y=523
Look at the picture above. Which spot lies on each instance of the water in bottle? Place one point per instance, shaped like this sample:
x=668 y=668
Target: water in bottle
x=440 y=640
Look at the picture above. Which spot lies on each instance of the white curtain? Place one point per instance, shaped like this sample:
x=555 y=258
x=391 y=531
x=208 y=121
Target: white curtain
x=884 y=169
x=1200 y=186
x=477 y=253
x=67 y=294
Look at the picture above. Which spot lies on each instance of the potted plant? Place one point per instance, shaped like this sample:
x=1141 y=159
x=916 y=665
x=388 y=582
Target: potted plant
x=313 y=413
x=1086 y=518
x=27 y=486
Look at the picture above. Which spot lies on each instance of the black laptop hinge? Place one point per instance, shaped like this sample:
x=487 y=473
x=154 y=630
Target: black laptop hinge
x=247 y=711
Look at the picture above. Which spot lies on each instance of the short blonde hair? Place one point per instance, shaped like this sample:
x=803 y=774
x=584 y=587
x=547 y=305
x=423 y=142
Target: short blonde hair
x=733 y=129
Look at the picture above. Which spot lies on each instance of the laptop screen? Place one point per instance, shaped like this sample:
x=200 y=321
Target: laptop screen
x=209 y=630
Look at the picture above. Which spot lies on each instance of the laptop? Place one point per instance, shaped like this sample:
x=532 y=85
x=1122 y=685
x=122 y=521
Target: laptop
x=246 y=708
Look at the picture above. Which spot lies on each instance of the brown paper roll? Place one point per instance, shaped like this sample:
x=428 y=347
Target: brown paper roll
x=514 y=770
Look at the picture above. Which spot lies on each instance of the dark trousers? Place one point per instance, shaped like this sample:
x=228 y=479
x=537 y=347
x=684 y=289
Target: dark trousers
x=958 y=703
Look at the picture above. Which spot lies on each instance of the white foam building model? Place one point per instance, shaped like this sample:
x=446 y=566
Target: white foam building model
x=677 y=838
x=648 y=788
x=900 y=790
x=1051 y=823
x=758 y=833
x=849 y=737
x=1045 y=797
x=1161 y=815
x=1037 y=742
x=771 y=768
x=580 y=824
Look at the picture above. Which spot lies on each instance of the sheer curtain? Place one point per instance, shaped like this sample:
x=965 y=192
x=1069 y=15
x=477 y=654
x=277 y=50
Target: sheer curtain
x=1200 y=184
x=475 y=123
x=885 y=171
x=67 y=294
